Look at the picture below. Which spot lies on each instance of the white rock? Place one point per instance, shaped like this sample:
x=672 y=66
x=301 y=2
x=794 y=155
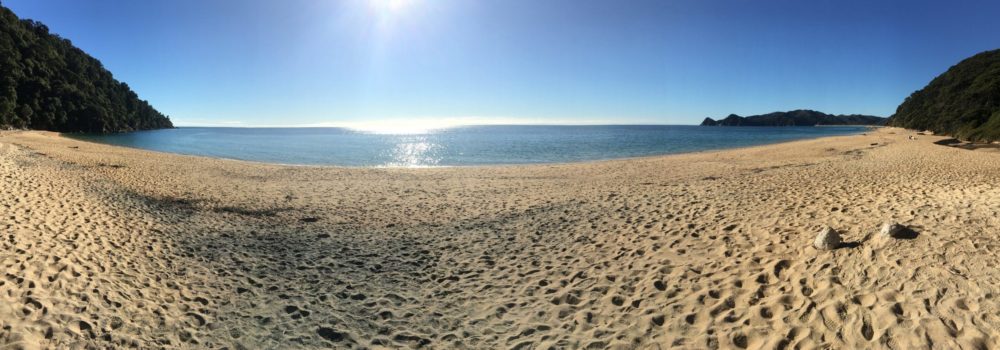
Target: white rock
x=827 y=239
x=890 y=230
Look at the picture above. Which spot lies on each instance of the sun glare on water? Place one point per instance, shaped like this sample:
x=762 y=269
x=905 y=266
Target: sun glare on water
x=424 y=125
x=399 y=127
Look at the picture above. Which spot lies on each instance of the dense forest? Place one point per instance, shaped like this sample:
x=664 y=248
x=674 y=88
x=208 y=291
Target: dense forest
x=963 y=102
x=46 y=83
x=801 y=117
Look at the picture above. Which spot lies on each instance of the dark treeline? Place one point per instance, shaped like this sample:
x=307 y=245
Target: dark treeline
x=46 y=83
x=963 y=102
x=800 y=117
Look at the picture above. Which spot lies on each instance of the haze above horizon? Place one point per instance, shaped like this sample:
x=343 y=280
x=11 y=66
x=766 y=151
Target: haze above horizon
x=438 y=62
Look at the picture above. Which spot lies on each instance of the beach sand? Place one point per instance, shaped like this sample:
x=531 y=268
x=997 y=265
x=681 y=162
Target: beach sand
x=103 y=246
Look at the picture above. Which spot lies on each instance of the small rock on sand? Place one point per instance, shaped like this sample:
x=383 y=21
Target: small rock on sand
x=891 y=230
x=827 y=239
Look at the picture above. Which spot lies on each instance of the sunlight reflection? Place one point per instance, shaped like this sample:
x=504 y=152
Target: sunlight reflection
x=414 y=152
x=398 y=127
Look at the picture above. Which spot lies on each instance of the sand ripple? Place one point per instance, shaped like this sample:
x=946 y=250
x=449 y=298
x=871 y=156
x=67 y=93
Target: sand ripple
x=110 y=247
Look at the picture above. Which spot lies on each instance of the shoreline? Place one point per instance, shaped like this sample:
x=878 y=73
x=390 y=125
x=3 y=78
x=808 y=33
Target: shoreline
x=472 y=165
x=111 y=247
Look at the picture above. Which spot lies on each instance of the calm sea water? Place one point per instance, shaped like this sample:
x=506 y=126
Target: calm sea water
x=467 y=145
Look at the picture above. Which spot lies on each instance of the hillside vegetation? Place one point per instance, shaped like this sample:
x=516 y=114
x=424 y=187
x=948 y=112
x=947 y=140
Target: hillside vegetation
x=801 y=117
x=963 y=102
x=46 y=83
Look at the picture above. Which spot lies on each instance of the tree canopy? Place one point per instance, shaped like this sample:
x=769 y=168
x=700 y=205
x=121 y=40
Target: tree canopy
x=963 y=102
x=46 y=83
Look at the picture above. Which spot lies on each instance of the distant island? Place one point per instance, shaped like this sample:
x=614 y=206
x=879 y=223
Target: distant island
x=963 y=102
x=801 y=117
x=49 y=84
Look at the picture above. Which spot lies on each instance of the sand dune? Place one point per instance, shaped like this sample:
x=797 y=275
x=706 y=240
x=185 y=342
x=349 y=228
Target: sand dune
x=103 y=247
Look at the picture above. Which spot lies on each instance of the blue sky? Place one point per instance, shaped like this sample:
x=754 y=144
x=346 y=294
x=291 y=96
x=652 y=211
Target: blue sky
x=309 y=62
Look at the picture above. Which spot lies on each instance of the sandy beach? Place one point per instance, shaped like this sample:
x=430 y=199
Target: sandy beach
x=105 y=247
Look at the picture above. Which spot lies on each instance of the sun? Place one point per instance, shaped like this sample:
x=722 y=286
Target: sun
x=389 y=5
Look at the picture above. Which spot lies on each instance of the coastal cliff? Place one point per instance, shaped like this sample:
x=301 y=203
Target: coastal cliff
x=49 y=84
x=801 y=117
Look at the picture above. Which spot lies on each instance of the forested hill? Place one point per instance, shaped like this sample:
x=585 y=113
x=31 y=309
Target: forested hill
x=46 y=83
x=963 y=102
x=801 y=117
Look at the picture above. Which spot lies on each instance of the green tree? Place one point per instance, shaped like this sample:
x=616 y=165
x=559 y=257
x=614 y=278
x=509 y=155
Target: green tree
x=47 y=83
x=964 y=101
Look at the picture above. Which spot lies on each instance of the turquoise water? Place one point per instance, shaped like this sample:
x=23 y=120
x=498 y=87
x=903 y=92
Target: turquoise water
x=467 y=145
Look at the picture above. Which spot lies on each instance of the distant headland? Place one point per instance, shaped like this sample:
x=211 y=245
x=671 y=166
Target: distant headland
x=800 y=117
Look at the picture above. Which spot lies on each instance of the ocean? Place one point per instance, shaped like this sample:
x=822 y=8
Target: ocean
x=456 y=146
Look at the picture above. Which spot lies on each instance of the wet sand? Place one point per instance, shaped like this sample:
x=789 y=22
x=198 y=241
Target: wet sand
x=104 y=246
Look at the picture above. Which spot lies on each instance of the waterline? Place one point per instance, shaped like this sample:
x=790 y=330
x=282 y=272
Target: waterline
x=456 y=146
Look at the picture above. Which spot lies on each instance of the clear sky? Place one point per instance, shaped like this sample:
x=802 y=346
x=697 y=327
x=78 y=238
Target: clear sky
x=308 y=62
